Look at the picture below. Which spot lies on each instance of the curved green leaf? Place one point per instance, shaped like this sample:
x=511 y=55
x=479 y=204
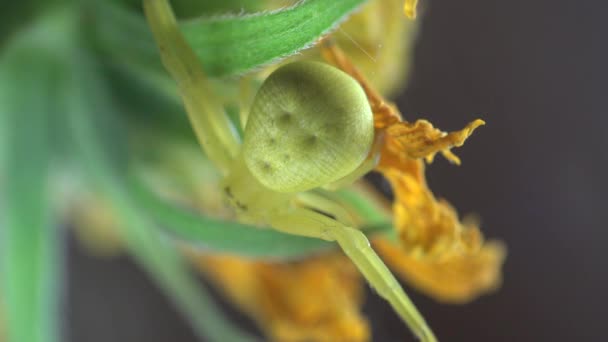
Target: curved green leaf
x=28 y=237
x=30 y=242
x=235 y=44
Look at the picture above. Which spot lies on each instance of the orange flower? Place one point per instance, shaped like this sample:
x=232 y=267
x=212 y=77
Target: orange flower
x=426 y=226
x=458 y=278
x=438 y=253
x=317 y=299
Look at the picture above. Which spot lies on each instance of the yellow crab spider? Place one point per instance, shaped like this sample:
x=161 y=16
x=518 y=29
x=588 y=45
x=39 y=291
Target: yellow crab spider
x=310 y=126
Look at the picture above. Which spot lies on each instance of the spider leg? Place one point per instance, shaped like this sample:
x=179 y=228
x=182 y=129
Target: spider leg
x=356 y=246
x=212 y=126
x=321 y=204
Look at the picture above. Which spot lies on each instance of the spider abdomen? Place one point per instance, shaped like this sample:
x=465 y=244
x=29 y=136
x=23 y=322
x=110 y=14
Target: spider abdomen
x=310 y=124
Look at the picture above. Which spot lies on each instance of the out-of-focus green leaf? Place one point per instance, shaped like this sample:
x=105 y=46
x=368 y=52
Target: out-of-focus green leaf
x=30 y=246
x=15 y=15
x=28 y=242
x=236 y=44
x=364 y=206
x=368 y=210
x=122 y=35
x=147 y=103
x=89 y=103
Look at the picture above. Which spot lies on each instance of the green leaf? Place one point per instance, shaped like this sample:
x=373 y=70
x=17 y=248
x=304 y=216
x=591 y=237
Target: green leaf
x=236 y=44
x=364 y=206
x=122 y=35
x=189 y=8
x=148 y=104
x=231 y=237
x=226 y=45
x=90 y=102
x=224 y=236
x=30 y=245
x=31 y=77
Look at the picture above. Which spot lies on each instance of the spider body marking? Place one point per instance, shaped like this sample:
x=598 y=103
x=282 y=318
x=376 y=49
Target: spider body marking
x=310 y=125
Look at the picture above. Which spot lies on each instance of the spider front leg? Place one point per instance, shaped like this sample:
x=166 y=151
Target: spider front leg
x=212 y=126
x=355 y=245
x=322 y=204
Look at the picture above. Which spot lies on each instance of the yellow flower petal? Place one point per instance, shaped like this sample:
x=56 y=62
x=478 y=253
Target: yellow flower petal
x=422 y=140
x=438 y=253
x=409 y=8
x=380 y=43
x=458 y=278
x=96 y=226
x=317 y=299
x=426 y=226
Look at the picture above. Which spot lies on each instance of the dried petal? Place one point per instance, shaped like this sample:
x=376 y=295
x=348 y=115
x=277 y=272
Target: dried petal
x=422 y=140
x=457 y=278
x=437 y=252
x=317 y=299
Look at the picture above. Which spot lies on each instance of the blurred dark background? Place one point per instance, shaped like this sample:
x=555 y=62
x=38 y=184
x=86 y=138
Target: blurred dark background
x=536 y=174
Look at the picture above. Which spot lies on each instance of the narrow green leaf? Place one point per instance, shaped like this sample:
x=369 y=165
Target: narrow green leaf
x=31 y=76
x=231 y=237
x=236 y=44
x=363 y=206
x=30 y=247
x=148 y=103
x=224 y=236
x=88 y=104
